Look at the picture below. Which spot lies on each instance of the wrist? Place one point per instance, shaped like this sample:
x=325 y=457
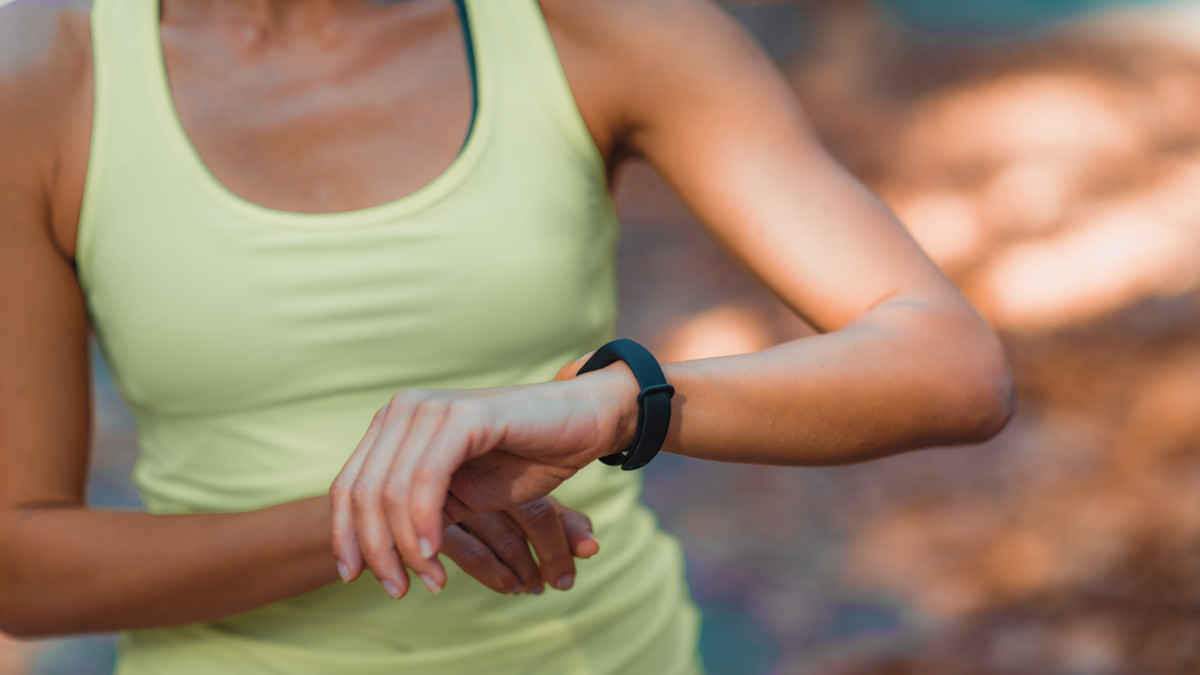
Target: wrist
x=312 y=517
x=615 y=390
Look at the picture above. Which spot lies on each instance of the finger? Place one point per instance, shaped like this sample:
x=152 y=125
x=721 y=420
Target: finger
x=456 y=511
x=345 y=536
x=507 y=541
x=578 y=529
x=542 y=526
x=478 y=560
x=426 y=421
x=366 y=496
x=380 y=555
x=430 y=472
x=572 y=369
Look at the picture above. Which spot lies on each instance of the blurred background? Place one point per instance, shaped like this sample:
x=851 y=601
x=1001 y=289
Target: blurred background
x=1046 y=153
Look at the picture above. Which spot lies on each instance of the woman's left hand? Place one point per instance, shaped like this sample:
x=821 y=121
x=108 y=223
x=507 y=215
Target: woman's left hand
x=463 y=452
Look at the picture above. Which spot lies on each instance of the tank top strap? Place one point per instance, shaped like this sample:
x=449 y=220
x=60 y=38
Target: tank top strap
x=117 y=40
x=519 y=53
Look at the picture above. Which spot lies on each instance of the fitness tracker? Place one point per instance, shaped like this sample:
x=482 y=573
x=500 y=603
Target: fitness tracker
x=654 y=401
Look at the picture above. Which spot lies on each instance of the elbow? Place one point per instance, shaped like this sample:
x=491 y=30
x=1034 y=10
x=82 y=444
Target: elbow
x=12 y=621
x=26 y=631
x=21 y=621
x=16 y=629
x=25 y=622
x=19 y=615
x=986 y=400
x=995 y=410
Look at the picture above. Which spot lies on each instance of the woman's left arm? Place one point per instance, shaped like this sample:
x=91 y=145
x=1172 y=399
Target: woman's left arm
x=903 y=361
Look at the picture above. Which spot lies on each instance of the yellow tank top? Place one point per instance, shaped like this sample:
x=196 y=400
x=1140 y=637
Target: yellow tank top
x=253 y=345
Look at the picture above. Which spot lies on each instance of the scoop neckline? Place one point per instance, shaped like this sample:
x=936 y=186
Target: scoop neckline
x=426 y=195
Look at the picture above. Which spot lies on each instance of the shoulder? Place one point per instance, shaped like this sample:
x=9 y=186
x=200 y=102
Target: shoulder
x=45 y=61
x=45 y=55
x=635 y=22
x=620 y=35
x=653 y=60
x=45 y=76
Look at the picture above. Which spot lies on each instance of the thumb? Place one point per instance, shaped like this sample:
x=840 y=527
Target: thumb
x=572 y=369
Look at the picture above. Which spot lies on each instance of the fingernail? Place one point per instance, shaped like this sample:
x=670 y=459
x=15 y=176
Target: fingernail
x=430 y=584
x=392 y=590
x=426 y=549
x=539 y=589
x=516 y=590
x=564 y=582
x=343 y=572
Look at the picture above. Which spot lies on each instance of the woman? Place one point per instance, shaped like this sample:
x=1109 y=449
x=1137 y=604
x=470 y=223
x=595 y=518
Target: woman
x=282 y=216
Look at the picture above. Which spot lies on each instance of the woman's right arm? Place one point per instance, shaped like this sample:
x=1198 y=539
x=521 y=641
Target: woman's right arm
x=65 y=568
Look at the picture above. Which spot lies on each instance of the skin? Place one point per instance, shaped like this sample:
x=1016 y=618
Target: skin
x=903 y=361
x=124 y=563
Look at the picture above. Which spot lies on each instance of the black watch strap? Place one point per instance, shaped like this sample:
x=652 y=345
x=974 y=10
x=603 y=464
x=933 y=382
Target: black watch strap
x=654 y=400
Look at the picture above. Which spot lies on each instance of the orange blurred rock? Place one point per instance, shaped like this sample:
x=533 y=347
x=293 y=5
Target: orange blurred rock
x=1137 y=246
x=721 y=331
x=947 y=225
x=1019 y=563
x=1030 y=195
x=1042 y=115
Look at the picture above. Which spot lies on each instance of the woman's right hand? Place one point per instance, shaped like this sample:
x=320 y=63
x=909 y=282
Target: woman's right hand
x=494 y=549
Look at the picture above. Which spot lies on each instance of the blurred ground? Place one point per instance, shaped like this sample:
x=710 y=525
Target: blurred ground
x=1048 y=158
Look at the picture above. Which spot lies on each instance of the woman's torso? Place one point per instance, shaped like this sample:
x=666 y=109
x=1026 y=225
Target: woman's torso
x=226 y=340
x=345 y=165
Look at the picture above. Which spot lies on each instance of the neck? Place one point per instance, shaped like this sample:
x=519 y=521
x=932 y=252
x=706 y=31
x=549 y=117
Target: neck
x=271 y=16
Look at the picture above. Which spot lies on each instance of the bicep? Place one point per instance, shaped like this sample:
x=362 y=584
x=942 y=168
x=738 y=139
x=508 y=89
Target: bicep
x=718 y=120
x=45 y=404
x=45 y=391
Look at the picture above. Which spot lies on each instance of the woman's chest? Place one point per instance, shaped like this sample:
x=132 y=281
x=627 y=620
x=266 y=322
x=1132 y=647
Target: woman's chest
x=198 y=319
x=364 y=113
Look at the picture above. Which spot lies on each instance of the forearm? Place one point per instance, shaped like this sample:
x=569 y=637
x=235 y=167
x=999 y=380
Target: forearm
x=904 y=376
x=908 y=373
x=76 y=570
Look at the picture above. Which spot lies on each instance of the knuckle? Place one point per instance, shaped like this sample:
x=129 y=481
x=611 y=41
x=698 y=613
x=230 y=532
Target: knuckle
x=394 y=494
x=472 y=558
x=461 y=406
x=466 y=411
x=552 y=569
x=375 y=551
x=423 y=475
x=420 y=511
x=511 y=545
x=435 y=403
x=339 y=530
x=538 y=514
x=362 y=495
x=339 y=489
x=558 y=565
x=407 y=398
x=503 y=580
x=576 y=521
